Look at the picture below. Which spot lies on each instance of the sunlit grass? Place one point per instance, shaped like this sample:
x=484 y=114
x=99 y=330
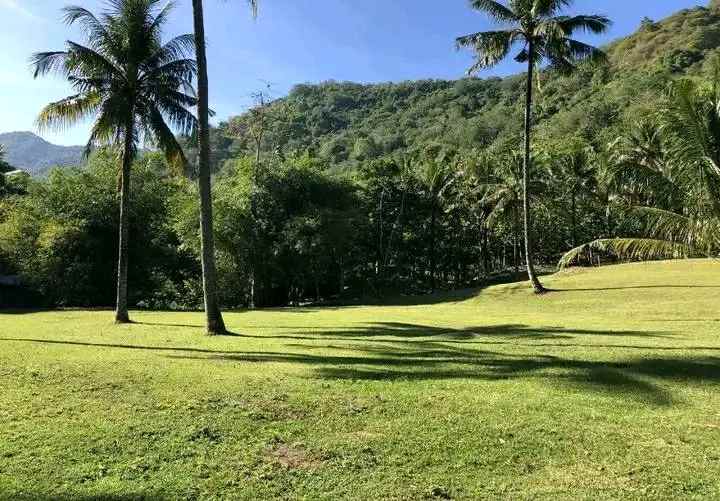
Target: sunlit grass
x=609 y=387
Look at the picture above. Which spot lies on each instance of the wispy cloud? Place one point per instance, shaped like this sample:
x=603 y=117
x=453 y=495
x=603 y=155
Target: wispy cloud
x=14 y=5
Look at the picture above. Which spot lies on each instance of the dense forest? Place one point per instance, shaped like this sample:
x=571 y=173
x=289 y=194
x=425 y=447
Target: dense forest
x=343 y=191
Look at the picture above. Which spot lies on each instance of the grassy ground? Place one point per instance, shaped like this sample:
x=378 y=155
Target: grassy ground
x=607 y=388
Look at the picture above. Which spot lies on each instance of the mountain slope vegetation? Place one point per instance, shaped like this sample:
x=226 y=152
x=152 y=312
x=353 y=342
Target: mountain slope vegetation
x=348 y=123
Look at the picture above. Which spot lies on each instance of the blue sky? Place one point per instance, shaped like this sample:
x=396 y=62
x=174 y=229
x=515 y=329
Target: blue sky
x=292 y=41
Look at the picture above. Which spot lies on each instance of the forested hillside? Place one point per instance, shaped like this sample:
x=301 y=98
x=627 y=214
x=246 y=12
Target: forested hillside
x=346 y=124
x=343 y=191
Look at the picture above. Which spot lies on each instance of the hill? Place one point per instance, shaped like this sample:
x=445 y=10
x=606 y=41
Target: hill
x=608 y=388
x=348 y=123
x=33 y=154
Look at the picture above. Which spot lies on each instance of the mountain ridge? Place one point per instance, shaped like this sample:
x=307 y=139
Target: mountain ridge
x=29 y=152
x=347 y=123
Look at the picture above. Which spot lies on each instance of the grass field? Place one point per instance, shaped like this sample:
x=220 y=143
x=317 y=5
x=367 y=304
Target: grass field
x=608 y=388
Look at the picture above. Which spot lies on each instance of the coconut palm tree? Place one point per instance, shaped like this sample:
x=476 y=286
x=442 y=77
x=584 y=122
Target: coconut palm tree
x=435 y=175
x=573 y=172
x=136 y=88
x=691 y=173
x=214 y=319
x=502 y=194
x=640 y=166
x=542 y=34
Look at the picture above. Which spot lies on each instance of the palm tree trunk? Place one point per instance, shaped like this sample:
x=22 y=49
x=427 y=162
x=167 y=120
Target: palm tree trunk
x=433 y=264
x=537 y=286
x=215 y=324
x=516 y=239
x=573 y=211
x=121 y=308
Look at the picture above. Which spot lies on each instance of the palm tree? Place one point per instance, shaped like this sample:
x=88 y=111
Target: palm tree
x=543 y=35
x=135 y=87
x=691 y=173
x=641 y=167
x=435 y=176
x=214 y=319
x=574 y=174
x=502 y=194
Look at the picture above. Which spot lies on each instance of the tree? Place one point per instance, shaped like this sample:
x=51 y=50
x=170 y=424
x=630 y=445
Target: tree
x=214 y=319
x=435 y=176
x=135 y=86
x=4 y=166
x=502 y=194
x=573 y=174
x=691 y=173
x=544 y=36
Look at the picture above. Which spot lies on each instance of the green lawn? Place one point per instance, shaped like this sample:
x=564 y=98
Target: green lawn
x=608 y=388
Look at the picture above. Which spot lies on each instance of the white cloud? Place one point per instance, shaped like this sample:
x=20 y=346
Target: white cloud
x=15 y=6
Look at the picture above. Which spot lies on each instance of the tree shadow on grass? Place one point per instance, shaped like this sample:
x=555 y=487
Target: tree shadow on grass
x=387 y=352
x=634 y=379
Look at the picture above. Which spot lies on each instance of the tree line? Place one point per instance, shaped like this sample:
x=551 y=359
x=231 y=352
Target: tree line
x=297 y=213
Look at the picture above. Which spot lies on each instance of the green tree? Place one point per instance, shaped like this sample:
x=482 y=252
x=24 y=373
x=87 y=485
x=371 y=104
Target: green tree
x=435 y=175
x=214 y=319
x=135 y=86
x=572 y=172
x=690 y=173
x=543 y=35
x=4 y=166
x=502 y=194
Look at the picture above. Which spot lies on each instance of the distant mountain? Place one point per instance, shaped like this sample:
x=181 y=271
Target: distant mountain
x=27 y=151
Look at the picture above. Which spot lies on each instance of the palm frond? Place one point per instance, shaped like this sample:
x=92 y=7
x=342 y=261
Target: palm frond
x=631 y=249
x=548 y=8
x=90 y=24
x=565 y=54
x=68 y=112
x=490 y=47
x=44 y=63
x=589 y=24
x=495 y=10
x=180 y=47
x=166 y=141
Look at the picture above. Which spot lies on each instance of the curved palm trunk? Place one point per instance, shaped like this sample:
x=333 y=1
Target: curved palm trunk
x=121 y=310
x=537 y=286
x=215 y=324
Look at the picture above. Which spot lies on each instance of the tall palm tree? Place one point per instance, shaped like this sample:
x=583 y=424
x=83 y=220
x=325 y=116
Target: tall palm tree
x=214 y=319
x=435 y=176
x=691 y=127
x=542 y=35
x=135 y=87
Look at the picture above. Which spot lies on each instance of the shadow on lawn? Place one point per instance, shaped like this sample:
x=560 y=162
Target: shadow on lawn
x=416 y=352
